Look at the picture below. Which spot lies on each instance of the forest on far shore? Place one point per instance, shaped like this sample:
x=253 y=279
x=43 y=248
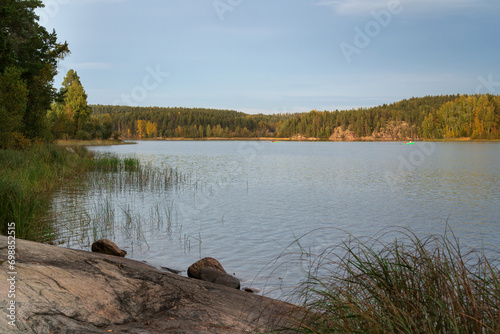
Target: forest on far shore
x=32 y=110
x=430 y=117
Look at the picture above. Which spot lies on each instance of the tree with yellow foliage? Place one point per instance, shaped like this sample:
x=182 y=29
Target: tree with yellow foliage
x=141 y=128
x=151 y=129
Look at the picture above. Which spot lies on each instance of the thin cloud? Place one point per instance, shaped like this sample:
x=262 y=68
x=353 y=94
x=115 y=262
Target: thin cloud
x=364 y=7
x=88 y=66
x=87 y=2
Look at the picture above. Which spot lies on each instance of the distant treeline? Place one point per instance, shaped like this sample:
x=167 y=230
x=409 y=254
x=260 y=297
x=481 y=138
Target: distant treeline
x=132 y=122
x=430 y=117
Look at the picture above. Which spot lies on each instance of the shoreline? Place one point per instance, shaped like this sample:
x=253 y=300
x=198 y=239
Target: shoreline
x=447 y=140
x=93 y=142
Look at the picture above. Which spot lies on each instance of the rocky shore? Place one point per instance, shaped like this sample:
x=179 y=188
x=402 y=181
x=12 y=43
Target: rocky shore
x=59 y=290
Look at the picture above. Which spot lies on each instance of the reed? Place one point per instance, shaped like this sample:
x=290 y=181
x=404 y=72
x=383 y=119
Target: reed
x=115 y=175
x=131 y=164
x=28 y=178
x=410 y=285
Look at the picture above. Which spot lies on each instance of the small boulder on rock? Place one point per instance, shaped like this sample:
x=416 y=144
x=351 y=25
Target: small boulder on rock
x=207 y=262
x=218 y=277
x=106 y=246
x=210 y=270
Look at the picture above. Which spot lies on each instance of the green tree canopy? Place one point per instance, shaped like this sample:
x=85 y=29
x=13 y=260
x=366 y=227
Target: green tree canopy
x=13 y=97
x=71 y=116
x=28 y=49
x=76 y=101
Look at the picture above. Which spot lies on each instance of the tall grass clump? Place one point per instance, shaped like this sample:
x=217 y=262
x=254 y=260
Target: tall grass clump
x=114 y=164
x=27 y=179
x=117 y=174
x=410 y=285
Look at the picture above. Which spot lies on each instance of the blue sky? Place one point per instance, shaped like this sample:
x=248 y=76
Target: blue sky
x=277 y=56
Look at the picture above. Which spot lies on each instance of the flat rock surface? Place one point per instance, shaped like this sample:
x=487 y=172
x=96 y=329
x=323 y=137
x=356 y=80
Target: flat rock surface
x=61 y=290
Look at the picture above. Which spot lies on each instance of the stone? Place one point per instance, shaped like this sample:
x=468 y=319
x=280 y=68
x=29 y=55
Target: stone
x=216 y=276
x=106 y=246
x=210 y=262
x=172 y=270
x=60 y=290
x=210 y=270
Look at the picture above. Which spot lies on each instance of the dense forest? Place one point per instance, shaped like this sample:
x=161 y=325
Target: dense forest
x=430 y=117
x=153 y=122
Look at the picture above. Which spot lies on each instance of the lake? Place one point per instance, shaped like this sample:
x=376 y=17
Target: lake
x=257 y=207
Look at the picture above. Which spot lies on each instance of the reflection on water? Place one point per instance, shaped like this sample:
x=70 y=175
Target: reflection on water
x=247 y=203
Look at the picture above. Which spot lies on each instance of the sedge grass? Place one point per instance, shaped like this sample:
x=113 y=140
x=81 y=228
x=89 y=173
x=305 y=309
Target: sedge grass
x=115 y=174
x=410 y=285
x=103 y=204
x=28 y=178
x=105 y=217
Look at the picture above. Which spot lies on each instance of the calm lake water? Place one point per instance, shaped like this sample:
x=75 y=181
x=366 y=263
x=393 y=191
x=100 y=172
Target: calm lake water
x=257 y=206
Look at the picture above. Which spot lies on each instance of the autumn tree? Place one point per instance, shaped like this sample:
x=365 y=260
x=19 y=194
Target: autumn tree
x=141 y=128
x=151 y=129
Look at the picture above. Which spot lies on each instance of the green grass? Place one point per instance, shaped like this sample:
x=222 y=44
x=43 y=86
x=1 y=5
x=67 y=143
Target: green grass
x=27 y=179
x=410 y=285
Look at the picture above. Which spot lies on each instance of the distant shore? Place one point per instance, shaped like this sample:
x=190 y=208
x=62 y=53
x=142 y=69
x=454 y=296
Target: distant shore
x=129 y=141
x=464 y=139
x=213 y=139
x=93 y=142
x=302 y=139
